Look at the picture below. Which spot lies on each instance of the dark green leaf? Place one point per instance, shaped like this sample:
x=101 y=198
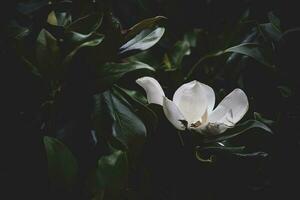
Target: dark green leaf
x=127 y=127
x=146 y=114
x=112 y=170
x=74 y=40
x=258 y=117
x=270 y=31
x=48 y=55
x=175 y=57
x=250 y=49
x=62 y=166
x=110 y=73
x=110 y=179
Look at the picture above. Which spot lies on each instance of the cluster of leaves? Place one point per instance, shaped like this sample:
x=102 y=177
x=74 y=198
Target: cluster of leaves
x=60 y=49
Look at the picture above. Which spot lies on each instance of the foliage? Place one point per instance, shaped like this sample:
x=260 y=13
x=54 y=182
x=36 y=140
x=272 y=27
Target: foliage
x=100 y=137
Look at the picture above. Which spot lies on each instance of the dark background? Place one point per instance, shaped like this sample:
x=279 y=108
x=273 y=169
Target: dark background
x=23 y=162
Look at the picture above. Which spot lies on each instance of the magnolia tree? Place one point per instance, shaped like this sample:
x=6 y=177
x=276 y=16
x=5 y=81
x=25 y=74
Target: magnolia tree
x=90 y=65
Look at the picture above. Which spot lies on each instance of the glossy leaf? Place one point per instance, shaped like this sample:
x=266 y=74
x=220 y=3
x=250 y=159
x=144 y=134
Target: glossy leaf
x=144 y=40
x=48 y=55
x=84 y=41
x=149 y=118
x=238 y=130
x=127 y=127
x=250 y=49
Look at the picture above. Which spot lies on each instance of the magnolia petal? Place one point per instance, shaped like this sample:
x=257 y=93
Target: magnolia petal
x=190 y=98
x=173 y=114
x=210 y=97
x=218 y=113
x=231 y=109
x=153 y=89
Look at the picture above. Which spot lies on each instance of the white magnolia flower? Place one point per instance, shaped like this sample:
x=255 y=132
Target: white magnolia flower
x=193 y=106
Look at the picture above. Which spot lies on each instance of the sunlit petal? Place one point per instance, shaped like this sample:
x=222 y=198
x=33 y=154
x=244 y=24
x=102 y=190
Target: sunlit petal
x=173 y=114
x=153 y=89
x=231 y=109
x=210 y=97
x=191 y=101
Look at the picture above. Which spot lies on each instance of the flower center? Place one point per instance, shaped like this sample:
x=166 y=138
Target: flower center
x=196 y=124
x=201 y=121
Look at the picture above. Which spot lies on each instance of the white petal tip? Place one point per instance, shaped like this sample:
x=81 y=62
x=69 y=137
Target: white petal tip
x=153 y=89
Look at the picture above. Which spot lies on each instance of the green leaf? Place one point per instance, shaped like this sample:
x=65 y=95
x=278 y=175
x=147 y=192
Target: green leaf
x=48 y=55
x=112 y=170
x=149 y=118
x=145 y=24
x=250 y=49
x=175 y=57
x=270 y=31
x=75 y=40
x=82 y=41
x=237 y=130
x=62 y=166
x=144 y=40
x=208 y=154
x=127 y=127
x=86 y=24
x=258 y=117
x=111 y=177
x=110 y=73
